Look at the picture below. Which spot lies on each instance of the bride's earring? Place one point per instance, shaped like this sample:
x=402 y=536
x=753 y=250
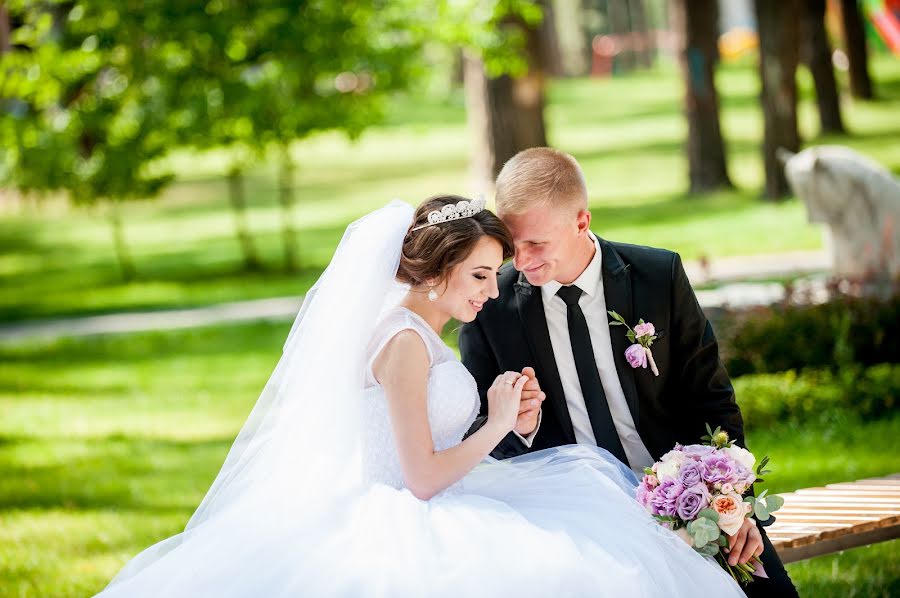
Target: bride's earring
x=432 y=295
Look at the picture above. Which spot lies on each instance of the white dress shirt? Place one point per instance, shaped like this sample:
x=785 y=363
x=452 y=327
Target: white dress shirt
x=593 y=304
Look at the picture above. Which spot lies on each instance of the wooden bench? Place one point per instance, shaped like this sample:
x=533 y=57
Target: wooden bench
x=817 y=521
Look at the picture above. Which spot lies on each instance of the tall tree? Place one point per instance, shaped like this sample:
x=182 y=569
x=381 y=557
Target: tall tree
x=88 y=108
x=857 y=51
x=620 y=28
x=118 y=86
x=698 y=32
x=279 y=71
x=815 y=51
x=505 y=98
x=778 y=27
x=640 y=33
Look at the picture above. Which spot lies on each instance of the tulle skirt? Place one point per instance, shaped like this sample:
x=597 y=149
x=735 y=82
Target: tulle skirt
x=558 y=522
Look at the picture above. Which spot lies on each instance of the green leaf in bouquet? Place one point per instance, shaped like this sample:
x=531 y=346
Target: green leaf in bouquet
x=709 y=550
x=762 y=465
x=760 y=510
x=666 y=518
x=762 y=494
x=703 y=531
x=630 y=336
x=619 y=320
x=723 y=540
x=648 y=471
x=709 y=514
x=773 y=503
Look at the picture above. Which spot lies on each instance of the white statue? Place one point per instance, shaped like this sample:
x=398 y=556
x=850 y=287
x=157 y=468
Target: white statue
x=858 y=200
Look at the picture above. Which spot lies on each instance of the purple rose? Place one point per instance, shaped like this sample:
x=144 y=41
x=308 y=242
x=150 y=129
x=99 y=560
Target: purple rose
x=636 y=356
x=691 y=473
x=692 y=501
x=719 y=469
x=665 y=497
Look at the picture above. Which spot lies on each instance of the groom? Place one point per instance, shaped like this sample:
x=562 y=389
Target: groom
x=552 y=316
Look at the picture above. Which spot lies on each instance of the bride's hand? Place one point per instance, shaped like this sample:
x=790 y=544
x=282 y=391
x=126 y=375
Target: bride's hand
x=504 y=397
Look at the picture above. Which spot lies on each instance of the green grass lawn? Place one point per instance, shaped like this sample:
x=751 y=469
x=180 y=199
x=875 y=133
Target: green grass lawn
x=628 y=134
x=107 y=444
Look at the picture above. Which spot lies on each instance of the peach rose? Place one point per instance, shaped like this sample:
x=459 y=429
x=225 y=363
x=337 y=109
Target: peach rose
x=731 y=510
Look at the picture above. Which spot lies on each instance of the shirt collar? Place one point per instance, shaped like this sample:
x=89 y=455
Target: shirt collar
x=588 y=281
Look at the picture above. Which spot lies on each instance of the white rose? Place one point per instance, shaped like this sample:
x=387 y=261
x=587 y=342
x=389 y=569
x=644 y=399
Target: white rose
x=671 y=463
x=731 y=510
x=742 y=456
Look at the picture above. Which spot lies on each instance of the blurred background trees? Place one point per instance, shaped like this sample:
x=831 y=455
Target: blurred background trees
x=96 y=95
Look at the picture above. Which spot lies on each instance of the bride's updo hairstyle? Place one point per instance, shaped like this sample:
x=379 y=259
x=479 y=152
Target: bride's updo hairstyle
x=430 y=253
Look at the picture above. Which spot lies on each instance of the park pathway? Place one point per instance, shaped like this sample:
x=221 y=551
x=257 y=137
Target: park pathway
x=737 y=279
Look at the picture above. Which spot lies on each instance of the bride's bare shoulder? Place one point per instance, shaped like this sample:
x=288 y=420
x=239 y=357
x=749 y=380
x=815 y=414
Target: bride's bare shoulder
x=403 y=357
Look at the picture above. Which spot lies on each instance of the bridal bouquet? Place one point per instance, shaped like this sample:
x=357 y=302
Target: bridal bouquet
x=701 y=491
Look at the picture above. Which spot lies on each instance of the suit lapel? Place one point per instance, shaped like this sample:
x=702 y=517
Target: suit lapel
x=531 y=312
x=617 y=290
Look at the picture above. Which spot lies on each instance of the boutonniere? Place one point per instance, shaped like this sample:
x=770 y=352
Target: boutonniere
x=642 y=336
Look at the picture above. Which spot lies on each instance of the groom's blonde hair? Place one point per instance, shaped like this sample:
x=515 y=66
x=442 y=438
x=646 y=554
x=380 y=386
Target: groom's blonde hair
x=540 y=176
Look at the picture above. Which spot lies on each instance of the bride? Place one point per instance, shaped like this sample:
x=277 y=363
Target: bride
x=351 y=476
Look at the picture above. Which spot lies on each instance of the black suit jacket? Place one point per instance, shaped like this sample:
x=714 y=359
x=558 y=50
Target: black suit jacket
x=692 y=389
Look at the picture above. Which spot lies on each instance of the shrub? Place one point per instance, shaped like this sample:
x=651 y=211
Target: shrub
x=767 y=399
x=837 y=334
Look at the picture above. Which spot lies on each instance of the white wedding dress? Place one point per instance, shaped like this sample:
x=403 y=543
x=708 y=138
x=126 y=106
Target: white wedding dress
x=559 y=522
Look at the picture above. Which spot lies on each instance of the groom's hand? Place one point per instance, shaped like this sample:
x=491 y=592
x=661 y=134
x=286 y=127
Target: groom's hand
x=746 y=543
x=530 y=406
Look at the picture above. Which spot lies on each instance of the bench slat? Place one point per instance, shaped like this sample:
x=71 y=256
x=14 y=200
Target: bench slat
x=816 y=521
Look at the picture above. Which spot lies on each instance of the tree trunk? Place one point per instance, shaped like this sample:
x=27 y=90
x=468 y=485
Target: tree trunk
x=640 y=35
x=857 y=52
x=123 y=255
x=5 y=29
x=551 y=53
x=506 y=114
x=697 y=27
x=617 y=15
x=816 y=53
x=778 y=26
x=286 y=199
x=238 y=201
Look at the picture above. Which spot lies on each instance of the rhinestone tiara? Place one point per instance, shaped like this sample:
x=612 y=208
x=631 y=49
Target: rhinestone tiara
x=461 y=209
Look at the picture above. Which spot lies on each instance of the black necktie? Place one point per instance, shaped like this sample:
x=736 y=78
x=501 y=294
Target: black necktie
x=588 y=376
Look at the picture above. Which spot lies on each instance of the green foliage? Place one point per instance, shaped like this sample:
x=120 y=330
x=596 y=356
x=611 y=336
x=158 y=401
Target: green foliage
x=845 y=331
x=86 y=102
x=810 y=395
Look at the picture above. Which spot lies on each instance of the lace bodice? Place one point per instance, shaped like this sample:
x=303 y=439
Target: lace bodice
x=452 y=399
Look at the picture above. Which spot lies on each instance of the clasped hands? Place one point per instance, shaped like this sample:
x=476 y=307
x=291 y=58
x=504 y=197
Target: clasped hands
x=529 y=404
